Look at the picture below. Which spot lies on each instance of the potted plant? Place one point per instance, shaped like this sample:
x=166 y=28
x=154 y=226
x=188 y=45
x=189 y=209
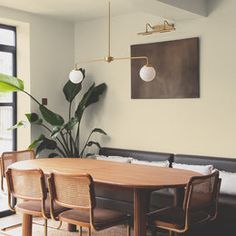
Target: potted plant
x=61 y=138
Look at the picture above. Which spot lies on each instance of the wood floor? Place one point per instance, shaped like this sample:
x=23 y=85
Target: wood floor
x=38 y=230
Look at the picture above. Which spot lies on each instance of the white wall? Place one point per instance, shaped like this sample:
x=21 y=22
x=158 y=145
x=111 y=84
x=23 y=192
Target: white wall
x=45 y=56
x=197 y=126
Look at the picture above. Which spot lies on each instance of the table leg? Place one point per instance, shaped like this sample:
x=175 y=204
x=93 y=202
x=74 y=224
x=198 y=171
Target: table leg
x=141 y=205
x=72 y=228
x=27 y=225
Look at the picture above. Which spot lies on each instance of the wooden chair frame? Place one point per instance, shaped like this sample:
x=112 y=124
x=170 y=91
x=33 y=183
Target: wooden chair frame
x=42 y=199
x=187 y=199
x=90 y=208
x=3 y=169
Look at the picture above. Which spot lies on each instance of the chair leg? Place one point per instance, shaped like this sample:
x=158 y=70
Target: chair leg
x=89 y=232
x=128 y=229
x=59 y=226
x=2 y=188
x=45 y=227
x=80 y=231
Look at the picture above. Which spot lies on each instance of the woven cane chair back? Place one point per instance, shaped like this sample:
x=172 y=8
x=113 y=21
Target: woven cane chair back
x=26 y=184
x=72 y=191
x=9 y=158
x=202 y=193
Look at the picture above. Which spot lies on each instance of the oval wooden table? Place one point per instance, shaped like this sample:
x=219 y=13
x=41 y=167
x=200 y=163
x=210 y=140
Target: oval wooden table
x=140 y=178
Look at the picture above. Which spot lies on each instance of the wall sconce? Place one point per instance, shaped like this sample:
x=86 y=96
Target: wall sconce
x=164 y=28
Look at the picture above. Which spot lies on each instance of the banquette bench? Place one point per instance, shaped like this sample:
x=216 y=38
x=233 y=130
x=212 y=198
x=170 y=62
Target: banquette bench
x=122 y=199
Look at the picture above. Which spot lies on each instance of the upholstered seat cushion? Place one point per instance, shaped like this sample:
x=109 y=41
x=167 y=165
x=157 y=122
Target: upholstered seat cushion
x=103 y=218
x=35 y=208
x=173 y=217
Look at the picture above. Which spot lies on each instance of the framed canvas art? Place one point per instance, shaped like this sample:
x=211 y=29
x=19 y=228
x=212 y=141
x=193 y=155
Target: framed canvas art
x=177 y=66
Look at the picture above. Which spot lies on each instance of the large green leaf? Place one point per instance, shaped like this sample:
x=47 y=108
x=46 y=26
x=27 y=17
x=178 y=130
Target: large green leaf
x=91 y=143
x=71 y=90
x=56 y=131
x=71 y=123
x=10 y=84
x=91 y=96
x=18 y=125
x=36 y=142
x=53 y=154
x=98 y=130
x=33 y=118
x=51 y=117
x=46 y=144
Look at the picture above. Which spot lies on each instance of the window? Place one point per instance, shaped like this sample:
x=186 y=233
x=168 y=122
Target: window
x=7 y=100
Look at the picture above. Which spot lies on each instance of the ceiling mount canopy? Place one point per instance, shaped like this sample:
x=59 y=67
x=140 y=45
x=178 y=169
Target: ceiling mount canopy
x=147 y=72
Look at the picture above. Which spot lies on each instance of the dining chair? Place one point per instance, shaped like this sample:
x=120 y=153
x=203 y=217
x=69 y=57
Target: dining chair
x=9 y=158
x=199 y=206
x=30 y=186
x=77 y=192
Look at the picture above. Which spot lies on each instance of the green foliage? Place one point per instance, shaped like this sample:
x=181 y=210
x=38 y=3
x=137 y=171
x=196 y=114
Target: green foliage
x=10 y=84
x=61 y=137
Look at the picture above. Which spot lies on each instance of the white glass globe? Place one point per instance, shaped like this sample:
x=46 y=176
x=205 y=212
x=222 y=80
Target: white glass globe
x=147 y=73
x=76 y=76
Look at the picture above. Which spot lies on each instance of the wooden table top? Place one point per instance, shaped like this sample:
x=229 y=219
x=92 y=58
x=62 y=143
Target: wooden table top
x=107 y=172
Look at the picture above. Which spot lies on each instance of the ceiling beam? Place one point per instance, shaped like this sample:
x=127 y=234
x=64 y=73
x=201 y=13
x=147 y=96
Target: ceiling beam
x=197 y=7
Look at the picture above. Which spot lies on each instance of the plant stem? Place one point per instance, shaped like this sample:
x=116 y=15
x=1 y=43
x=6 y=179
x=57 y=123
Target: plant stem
x=66 y=144
x=82 y=152
x=32 y=97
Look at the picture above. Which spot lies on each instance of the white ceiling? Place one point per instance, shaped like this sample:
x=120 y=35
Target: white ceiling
x=77 y=10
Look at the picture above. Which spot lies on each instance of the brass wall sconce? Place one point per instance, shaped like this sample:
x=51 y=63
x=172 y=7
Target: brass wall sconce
x=164 y=28
x=147 y=72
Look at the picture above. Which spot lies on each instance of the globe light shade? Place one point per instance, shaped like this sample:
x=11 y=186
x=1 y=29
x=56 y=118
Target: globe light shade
x=147 y=73
x=76 y=76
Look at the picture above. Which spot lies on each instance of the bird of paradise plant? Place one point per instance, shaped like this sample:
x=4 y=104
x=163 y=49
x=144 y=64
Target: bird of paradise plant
x=62 y=137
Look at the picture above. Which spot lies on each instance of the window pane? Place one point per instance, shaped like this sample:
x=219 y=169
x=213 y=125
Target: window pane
x=7 y=37
x=6 y=137
x=6 y=67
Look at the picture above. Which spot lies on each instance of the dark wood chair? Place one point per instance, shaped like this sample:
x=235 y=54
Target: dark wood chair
x=30 y=186
x=199 y=206
x=9 y=158
x=77 y=192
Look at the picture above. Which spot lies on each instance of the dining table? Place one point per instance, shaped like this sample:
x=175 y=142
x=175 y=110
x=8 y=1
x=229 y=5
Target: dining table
x=141 y=179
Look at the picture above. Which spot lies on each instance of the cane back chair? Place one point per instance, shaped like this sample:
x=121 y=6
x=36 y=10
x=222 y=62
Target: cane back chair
x=9 y=158
x=77 y=192
x=29 y=186
x=199 y=206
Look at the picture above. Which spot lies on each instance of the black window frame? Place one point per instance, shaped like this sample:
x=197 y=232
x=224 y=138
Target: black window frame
x=13 y=104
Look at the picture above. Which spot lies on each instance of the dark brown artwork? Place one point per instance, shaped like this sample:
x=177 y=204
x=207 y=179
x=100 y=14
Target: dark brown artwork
x=177 y=66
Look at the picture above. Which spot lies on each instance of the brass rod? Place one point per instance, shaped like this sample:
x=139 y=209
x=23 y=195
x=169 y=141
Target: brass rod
x=133 y=58
x=109 y=30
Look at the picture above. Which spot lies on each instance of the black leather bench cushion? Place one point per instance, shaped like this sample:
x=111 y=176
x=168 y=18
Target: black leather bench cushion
x=229 y=200
x=139 y=155
x=162 y=198
x=226 y=164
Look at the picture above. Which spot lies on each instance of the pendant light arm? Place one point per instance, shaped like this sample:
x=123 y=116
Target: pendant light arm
x=109 y=29
x=133 y=58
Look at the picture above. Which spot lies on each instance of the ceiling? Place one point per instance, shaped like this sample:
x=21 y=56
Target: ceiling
x=80 y=10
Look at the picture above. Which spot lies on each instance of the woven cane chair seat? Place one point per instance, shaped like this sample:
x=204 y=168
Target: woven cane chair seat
x=174 y=217
x=103 y=218
x=35 y=208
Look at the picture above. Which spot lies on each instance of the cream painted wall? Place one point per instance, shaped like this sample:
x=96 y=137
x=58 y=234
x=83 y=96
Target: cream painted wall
x=45 y=56
x=198 y=126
